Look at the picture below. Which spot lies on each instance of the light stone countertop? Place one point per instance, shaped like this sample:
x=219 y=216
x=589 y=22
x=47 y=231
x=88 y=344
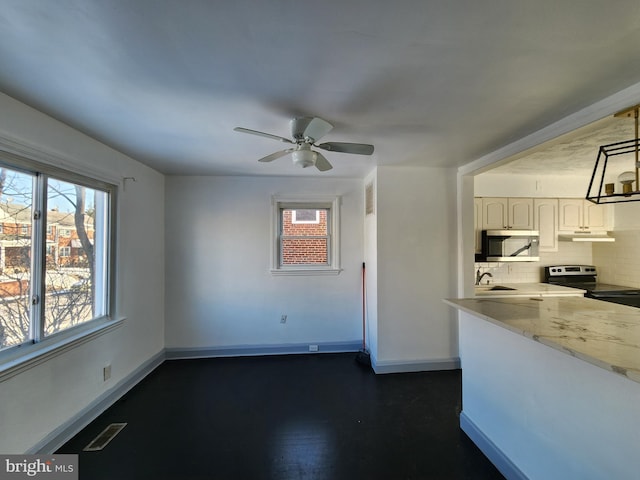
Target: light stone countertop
x=525 y=289
x=604 y=334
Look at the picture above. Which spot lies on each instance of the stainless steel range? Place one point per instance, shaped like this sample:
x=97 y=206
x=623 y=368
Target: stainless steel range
x=585 y=277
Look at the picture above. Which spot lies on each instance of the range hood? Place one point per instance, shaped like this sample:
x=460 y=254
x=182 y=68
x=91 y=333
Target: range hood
x=586 y=237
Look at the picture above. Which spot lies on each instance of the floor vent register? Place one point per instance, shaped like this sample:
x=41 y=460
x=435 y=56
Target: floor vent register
x=104 y=437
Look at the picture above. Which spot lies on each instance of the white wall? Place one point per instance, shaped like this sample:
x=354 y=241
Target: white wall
x=36 y=402
x=416 y=265
x=219 y=291
x=542 y=186
x=371 y=260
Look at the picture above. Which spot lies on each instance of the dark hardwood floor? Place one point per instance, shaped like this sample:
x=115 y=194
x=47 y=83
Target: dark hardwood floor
x=285 y=417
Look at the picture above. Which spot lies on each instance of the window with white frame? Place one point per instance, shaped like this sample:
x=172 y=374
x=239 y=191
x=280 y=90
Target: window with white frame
x=39 y=297
x=306 y=237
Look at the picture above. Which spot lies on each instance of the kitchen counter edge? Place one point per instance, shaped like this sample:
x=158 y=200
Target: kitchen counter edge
x=631 y=372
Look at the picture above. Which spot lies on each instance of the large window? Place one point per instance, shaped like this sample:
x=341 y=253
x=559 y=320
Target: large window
x=55 y=251
x=306 y=235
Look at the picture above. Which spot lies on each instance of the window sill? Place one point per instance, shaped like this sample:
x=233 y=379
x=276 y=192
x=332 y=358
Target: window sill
x=26 y=357
x=305 y=271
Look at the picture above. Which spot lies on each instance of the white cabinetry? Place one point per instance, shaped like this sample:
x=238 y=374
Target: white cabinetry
x=579 y=215
x=550 y=216
x=507 y=213
x=545 y=220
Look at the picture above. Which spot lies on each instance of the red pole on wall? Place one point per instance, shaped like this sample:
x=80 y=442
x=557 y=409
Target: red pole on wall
x=364 y=333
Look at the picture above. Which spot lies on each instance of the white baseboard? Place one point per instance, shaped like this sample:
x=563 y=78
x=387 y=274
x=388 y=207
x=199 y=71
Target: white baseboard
x=67 y=430
x=491 y=451
x=402 y=366
x=258 y=350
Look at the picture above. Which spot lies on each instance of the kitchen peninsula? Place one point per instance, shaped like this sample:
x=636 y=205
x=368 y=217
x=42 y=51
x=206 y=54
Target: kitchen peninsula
x=551 y=385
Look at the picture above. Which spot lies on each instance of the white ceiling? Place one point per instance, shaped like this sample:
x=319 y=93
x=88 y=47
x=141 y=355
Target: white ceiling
x=428 y=82
x=575 y=153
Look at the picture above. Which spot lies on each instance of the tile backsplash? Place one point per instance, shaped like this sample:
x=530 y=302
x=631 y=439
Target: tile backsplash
x=618 y=263
x=532 y=272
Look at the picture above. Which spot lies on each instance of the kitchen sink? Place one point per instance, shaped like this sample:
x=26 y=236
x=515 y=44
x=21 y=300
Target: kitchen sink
x=492 y=288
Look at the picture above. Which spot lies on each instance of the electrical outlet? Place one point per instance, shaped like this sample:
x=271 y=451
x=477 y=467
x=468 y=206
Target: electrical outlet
x=313 y=348
x=106 y=373
x=283 y=319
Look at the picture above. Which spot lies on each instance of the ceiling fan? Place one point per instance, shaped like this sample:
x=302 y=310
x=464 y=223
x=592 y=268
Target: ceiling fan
x=306 y=131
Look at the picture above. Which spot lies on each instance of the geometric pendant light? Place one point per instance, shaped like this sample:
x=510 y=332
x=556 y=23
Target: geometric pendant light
x=615 y=174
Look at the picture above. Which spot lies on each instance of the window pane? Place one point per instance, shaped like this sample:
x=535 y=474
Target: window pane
x=302 y=251
x=75 y=259
x=16 y=199
x=305 y=216
x=304 y=237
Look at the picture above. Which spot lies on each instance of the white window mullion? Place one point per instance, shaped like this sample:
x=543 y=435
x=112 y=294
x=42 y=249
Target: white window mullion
x=38 y=253
x=101 y=245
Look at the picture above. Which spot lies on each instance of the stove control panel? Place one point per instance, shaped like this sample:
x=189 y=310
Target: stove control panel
x=569 y=270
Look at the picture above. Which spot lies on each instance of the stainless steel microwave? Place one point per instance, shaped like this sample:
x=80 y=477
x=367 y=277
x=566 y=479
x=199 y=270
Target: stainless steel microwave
x=510 y=246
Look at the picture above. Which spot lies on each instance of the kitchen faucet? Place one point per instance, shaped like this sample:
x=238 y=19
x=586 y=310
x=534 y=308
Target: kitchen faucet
x=480 y=277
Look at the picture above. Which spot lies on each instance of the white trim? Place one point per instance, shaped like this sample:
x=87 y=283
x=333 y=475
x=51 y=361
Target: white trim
x=305 y=271
x=492 y=452
x=177 y=353
x=332 y=202
x=404 y=366
x=66 y=431
x=20 y=147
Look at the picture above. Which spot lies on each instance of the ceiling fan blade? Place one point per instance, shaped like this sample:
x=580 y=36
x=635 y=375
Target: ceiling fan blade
x=322 y=163
x=310 y=127
x=262 y=134
x=357 y=148
x=275 y=156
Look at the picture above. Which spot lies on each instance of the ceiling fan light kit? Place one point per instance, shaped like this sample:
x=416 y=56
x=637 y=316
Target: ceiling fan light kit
x=602 y=185
x=304 y=158
x=306 y=131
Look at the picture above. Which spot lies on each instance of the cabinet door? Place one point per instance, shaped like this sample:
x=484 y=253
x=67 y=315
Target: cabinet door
x=545 y=215
x=520 y=213
x=494 y=213
x=477 y=223
x=595 y=216
x=570 y=214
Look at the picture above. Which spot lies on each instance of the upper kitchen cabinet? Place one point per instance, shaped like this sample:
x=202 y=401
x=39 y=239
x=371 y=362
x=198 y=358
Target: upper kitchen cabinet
x=507 y=213
x=545 y=216
x=579 y=215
